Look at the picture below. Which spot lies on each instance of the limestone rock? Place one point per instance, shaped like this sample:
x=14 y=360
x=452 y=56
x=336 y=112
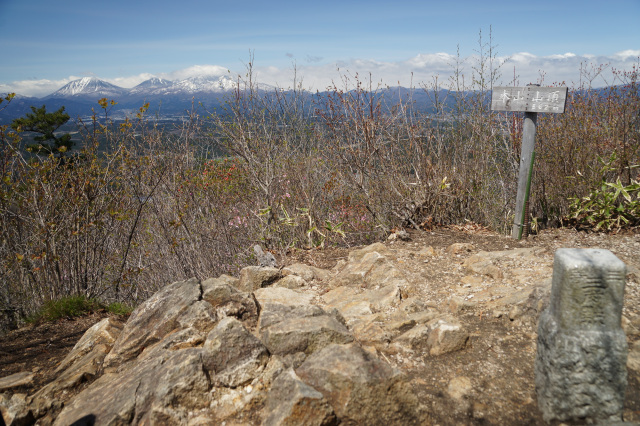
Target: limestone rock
x=199 y=315
x=427 y=252
x=628 y=327
x=437 y=337
x=273 y=313
x=230 y=402
x=306 y=272
x=416 y=338
x=15 y=410
x=84 y=369
x=219 y=291
x=412 y=305
x=282 y=295
x=397 y=327
x=352 y=303
x=104 y=332
x=290 y=329
x=306 y=334
x=291 y=282
x=222 y=293
x=515 y=312
x=181 y=339
x=633 y=358
x=375 y=271
x=460 y=248
x=456 y=304
x=484 y=267
x=293 y=402
x=370 y=267
x=383 y=297
x=177 y=379
x=347 y=301
x=233 y=355
x=424 y=316
x=538 y=300
x=357 y=255
x=255 y=277
x=300 y=344
x=153 y=320
x=361 y=388
x=446 y=336
x=15 y=380
x=370 y=333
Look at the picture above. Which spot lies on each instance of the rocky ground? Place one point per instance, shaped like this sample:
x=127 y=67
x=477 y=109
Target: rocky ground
x=452 y=312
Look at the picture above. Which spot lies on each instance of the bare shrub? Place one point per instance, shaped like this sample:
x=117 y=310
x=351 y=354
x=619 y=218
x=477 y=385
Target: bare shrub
x=597 y=124
x=140 y=206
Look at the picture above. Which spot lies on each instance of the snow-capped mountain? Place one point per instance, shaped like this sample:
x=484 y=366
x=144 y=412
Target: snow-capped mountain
x=80 y=97
x=189 y=86
x=154 y=85
x=207 y=84
x=89 y=86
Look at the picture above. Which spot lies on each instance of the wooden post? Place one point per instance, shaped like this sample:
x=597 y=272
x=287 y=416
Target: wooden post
x=531 y=100
x=527 y=156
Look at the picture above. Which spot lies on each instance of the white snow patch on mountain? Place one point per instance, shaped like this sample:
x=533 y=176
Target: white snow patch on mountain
x=89 y=86
x=205 y=84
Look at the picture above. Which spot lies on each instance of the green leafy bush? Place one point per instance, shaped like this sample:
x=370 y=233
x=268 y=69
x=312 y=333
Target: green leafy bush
x=610 y=206
x=75 y=306
x=118 y=308
x=66 y=307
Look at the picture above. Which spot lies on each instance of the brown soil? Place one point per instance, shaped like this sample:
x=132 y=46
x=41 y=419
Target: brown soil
x=39 y=348
x=498 y=360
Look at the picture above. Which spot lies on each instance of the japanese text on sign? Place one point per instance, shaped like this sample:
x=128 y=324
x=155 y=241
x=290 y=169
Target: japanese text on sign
x=529 y=99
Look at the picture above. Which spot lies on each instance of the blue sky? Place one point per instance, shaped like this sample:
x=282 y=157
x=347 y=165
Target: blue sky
x=46 y=44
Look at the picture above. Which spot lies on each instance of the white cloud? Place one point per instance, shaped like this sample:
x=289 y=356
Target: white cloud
x=131 y=81
x=626 y=54
x=567 y=55
x=522 y=57
x=438 y=60
x=38 y=88
x=196 y=71
x=422 y=68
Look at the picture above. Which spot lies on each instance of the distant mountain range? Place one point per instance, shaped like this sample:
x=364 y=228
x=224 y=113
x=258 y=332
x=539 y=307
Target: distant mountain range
x=90 y=87
x=169 y=100
x=168 y=97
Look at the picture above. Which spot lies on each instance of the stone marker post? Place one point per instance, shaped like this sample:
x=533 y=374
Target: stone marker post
x=580 y=367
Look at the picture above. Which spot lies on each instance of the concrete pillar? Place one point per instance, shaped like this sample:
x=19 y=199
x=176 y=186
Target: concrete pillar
x=580 y=366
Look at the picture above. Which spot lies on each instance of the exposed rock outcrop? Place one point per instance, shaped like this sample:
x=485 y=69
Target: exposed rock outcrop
x=293 y=346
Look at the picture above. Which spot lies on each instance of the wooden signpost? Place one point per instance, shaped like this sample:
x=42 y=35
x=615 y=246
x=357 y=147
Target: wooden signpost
x=531 y=100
